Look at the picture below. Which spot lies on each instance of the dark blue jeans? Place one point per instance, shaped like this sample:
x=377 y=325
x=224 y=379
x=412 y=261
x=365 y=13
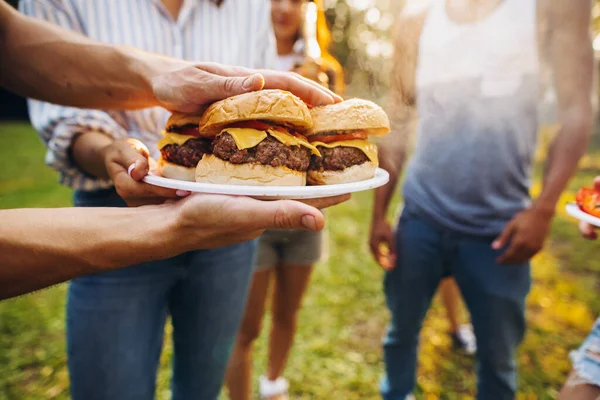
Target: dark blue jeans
x=116 y=319
x=494 y=294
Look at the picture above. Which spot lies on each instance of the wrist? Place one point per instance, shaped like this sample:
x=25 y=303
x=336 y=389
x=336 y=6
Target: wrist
x=544 y=207
x=161 y=236
x=150 y=67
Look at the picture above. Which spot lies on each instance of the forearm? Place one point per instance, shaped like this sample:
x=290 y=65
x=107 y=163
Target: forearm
x=87 y=151
x=43 y=247
x=52 y=64
x=384 y=194
x=564 y=154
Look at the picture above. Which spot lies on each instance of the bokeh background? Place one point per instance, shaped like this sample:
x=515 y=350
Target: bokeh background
x=337 y=353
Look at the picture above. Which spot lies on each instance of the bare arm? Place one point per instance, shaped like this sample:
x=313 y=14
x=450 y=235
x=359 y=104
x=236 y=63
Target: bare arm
x=42 y=61
x=572 y=60
x=393 y=147
x=43 y=247
x=571 y=57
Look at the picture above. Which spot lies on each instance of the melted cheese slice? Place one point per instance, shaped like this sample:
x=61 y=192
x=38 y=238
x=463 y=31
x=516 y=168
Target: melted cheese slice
x=173 y=138
x=366 y=147
x=246 y=138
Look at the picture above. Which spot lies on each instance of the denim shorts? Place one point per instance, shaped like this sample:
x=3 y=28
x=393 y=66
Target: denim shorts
x=586 y=359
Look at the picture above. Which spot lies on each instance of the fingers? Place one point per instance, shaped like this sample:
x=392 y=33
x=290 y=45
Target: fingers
x=383 y=245
x=132 y=156
x=325 y=202
x=136 y=193
x=128 y=164
x=517 y=253
x=502 y=240
x=587 y=231
x=281 y=214
x=223 y=87
x=311 y=92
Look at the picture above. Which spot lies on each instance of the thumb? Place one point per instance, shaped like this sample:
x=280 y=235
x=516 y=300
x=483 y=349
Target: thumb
x=502 y=240
x=134 y=159
x=285 y=214
x=232 y=86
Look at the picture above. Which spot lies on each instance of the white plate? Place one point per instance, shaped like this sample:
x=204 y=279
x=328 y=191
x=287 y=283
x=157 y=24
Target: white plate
x=574 y=211
x=273 y=192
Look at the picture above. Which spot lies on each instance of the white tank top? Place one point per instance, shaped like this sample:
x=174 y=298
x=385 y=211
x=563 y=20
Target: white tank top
x=477 y=88
x=499 y=49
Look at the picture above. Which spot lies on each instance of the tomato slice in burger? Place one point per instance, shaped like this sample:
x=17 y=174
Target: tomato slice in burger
x=190 y=131
x=361 y=135
x=258 y=125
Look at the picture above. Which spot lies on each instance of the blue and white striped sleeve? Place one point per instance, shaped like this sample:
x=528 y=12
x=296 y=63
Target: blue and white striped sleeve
x=58 y=126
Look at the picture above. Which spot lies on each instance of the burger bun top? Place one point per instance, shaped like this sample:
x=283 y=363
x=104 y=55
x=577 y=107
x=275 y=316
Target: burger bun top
x=274 y=105
x=350 y=115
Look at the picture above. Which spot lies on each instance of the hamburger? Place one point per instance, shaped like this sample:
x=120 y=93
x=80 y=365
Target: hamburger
x=340 y=133
x=182 y=147
x=256 y=140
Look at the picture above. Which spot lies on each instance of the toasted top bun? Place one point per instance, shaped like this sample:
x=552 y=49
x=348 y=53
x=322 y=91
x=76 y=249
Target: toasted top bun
x=277 y=106
x=353 y=114
x=212 y=169
x=181 y=119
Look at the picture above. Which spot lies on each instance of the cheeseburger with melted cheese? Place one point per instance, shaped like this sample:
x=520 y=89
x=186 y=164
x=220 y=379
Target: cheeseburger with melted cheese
x=257 y=139
x=340 y=133
x=182 y=147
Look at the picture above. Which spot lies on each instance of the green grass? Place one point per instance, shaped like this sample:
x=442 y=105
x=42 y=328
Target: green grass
x=337 y=352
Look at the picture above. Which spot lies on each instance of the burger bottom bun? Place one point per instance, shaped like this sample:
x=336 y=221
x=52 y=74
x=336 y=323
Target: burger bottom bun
x=212 y=169
x=174 y=171
x=354 y=173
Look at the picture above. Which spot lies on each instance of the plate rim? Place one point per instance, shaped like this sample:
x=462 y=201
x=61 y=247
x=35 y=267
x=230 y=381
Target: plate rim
x=380 y=178
x=574 y=211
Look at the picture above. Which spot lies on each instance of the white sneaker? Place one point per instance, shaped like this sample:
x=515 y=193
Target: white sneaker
x=465 y=340
x=278 y=387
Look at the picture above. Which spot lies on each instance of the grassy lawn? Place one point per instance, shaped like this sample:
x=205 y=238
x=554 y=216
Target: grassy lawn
x=337 y=353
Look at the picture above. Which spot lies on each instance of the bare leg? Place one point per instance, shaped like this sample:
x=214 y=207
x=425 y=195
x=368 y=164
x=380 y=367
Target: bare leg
x=577 y=389
x=291 y=284
x=239 y=372
x=451 y=298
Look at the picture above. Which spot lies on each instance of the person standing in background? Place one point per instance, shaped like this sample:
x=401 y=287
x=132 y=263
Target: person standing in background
x=285 y=257
x=470 y=70
x=115 y=319
x=583 y=382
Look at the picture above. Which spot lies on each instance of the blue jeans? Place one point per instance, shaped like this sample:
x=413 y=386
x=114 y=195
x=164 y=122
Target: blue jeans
x=116 y=319
x=494 y=294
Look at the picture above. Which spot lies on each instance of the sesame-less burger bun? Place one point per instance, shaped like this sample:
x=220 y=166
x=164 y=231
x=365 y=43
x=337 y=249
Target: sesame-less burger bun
x=350 y=115
x=212 y=169
x=277 y=106
x=173 y=171
x=355 y=173
x=181 y=119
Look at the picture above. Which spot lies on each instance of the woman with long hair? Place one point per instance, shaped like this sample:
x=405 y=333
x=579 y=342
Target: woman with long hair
x=285 y=257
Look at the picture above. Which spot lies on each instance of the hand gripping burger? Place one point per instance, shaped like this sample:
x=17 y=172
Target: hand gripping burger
x=339 y=132
x=182 y=147
x=257 y=140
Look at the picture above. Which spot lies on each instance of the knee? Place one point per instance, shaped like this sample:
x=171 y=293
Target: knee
x=248 y=334
x=285 y=321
